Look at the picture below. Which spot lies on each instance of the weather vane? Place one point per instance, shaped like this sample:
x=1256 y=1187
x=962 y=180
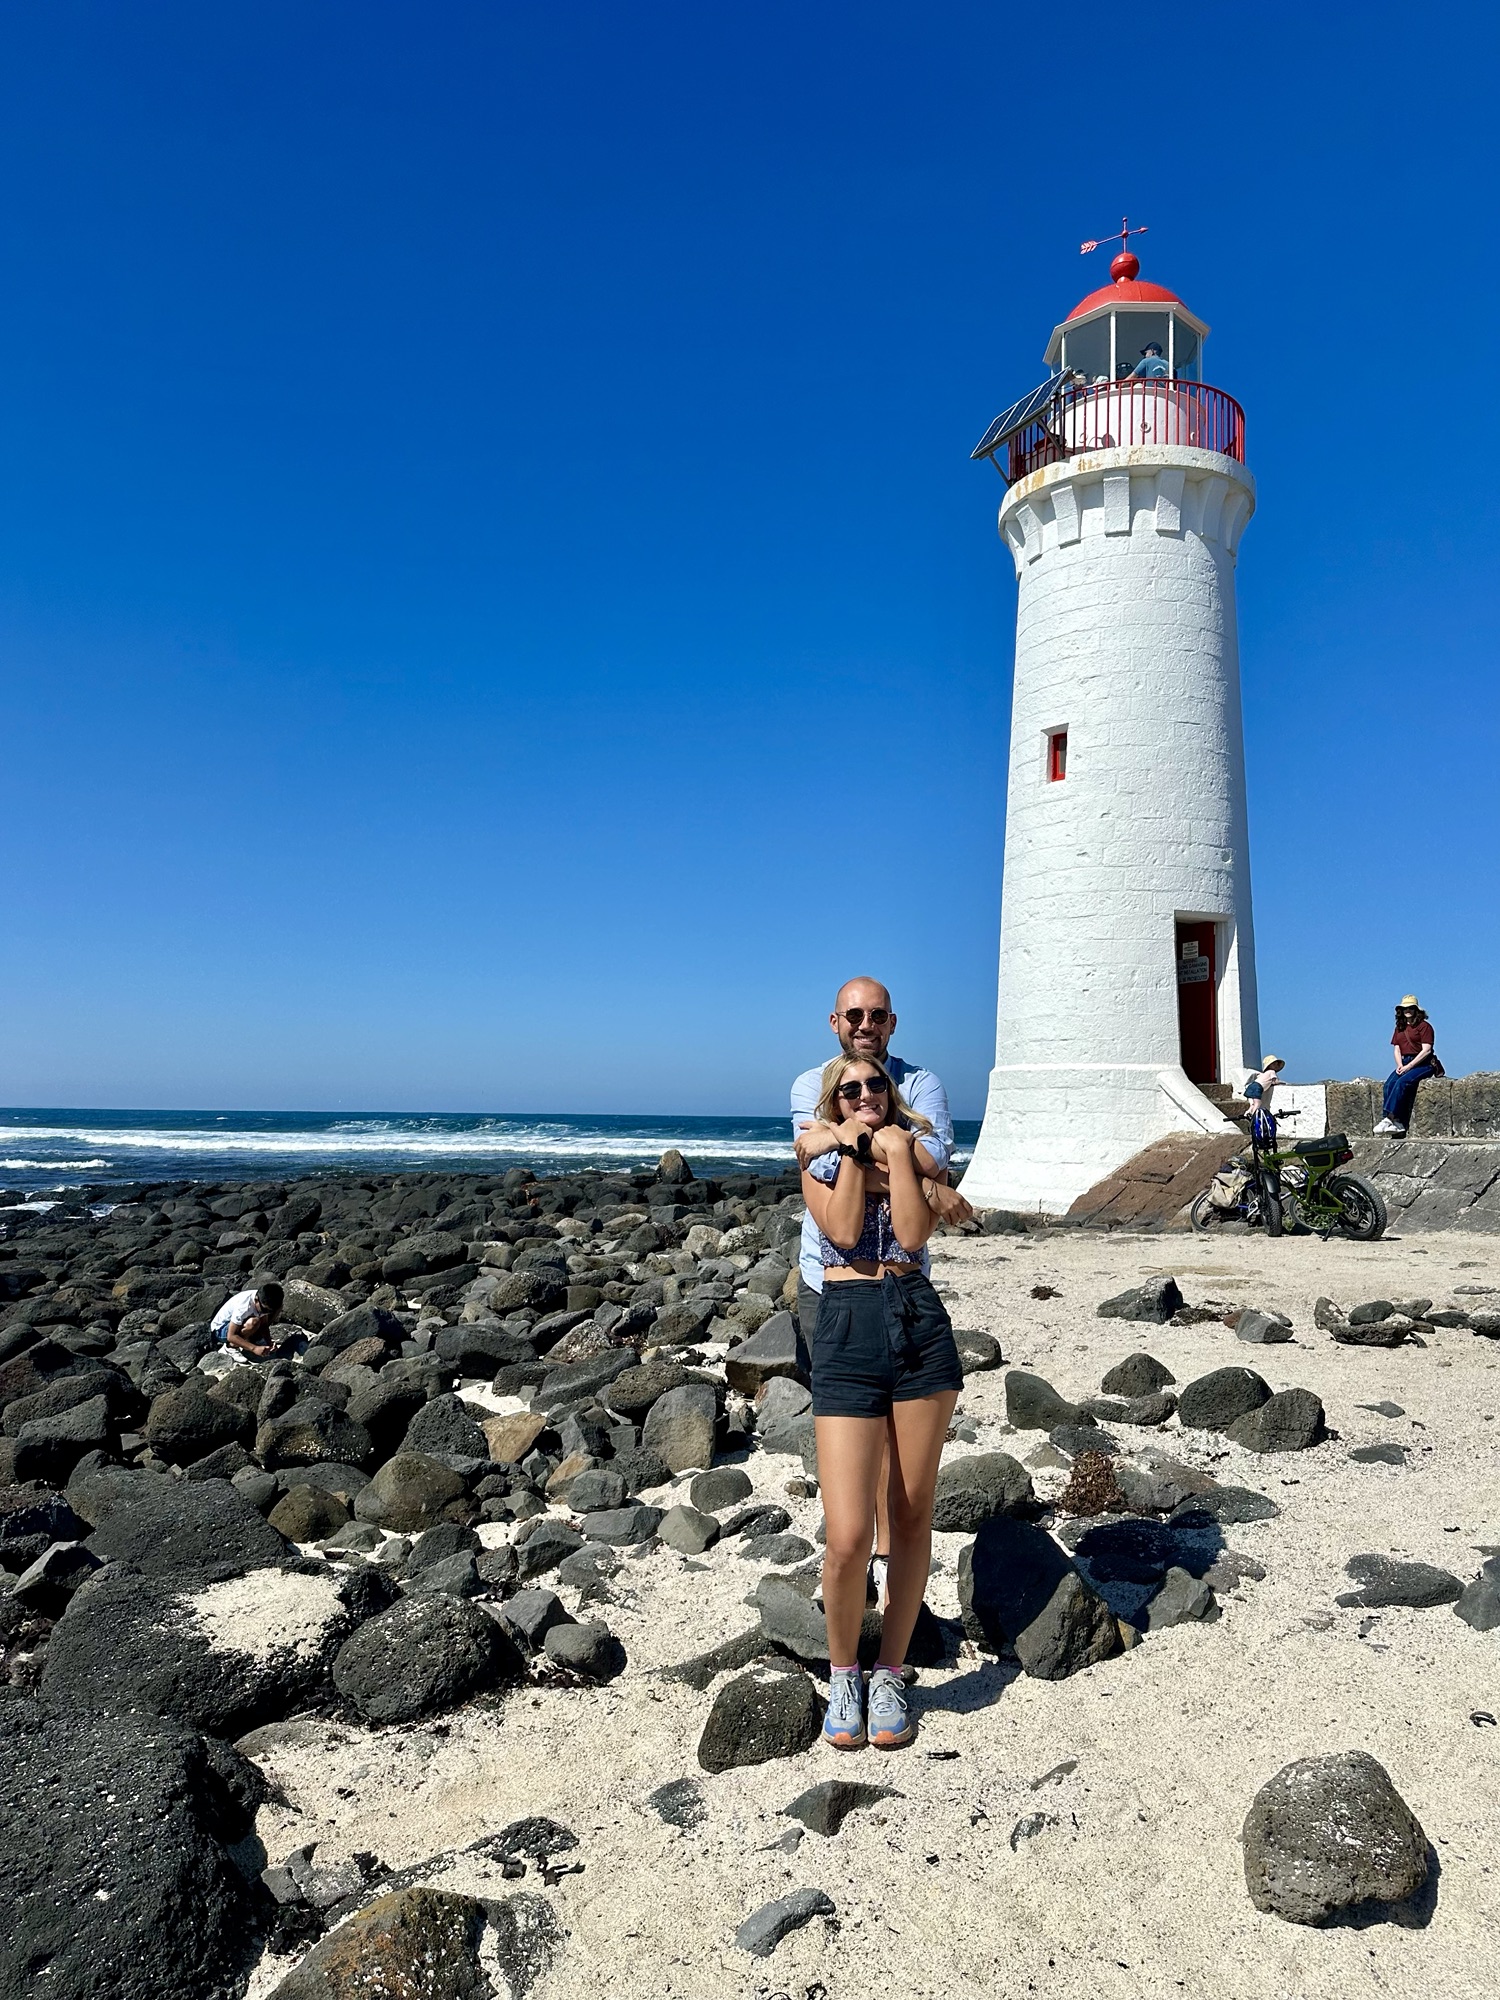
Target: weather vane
x=1124 y=232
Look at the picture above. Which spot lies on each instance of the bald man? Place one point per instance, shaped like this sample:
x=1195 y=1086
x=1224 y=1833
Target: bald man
x=864 y=1023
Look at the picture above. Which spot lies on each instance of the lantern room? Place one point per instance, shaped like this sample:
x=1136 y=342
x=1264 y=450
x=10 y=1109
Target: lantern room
x=1108 y=336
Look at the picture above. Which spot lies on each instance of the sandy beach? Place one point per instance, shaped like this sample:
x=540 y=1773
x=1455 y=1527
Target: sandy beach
x=1120 y=1875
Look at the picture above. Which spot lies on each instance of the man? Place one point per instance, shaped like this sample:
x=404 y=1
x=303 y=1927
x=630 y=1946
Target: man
x=243 y=1324
x=1151 y=365
x=864 y=1023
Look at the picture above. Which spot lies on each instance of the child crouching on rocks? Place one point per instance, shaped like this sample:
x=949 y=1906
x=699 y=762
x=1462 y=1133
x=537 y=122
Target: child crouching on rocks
x=884 y=1365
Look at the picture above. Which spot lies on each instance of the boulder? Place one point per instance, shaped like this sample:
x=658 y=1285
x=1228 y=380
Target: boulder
x=508 y=1439
x=122 y=1884
x=1479 y=1603
x=446 y=1424
x=530 y=1615
x=1212 y=1402
x=313 y=1429
x=308 y=1514
x=1330 y=1836
x=761 y=1714
x=1155 y=1302
x=1032 y=1404
x=774 y=1350
x=973 y=1490
x=161 y=1525
x=1137 y=1375
x=310 y=1306
x=1143 y=1412
x=632 y=1393
x=478 y=1348
x=1291 y=1420
x=621 y=1527
x=588 y=1648
x=221 y=1651
x=688 y=1531
x=385 y=1407
x=47 y=1448
x=1391 y=1330
x=413 y=1941
x=977 y=1351
x=544 y=1550
x=680 y=1427
x=1182 y=1599
x=409 y=1492
x=423 y=1656
x=1016 y=1587
x=1263 y=1329
x=363 y=1323
x=46 y=1586
x=781 y=1402
x=722 y=1487
x=186 y=1423
x=595 y=1491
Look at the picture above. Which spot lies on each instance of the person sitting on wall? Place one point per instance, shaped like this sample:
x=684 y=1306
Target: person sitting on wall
x=1412 y=1041
x=1151 y=364
x=1259 y=1092
x=243 y=1324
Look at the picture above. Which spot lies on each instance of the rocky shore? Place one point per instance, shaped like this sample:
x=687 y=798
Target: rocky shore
x=475 y=1645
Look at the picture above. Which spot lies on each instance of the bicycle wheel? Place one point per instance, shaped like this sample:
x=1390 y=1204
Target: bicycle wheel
x=1270 y=1208
x=1362 y=1211
x=1204 y=1216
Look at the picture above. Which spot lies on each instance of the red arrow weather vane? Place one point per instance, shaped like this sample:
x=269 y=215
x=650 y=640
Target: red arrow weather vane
x=1124 y=232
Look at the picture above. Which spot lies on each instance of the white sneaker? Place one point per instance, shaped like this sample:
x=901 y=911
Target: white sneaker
x=1388 y=1128
x=876 y=1584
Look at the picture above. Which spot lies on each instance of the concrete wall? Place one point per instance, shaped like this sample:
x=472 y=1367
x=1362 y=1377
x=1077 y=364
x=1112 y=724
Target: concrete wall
x=1447 y=1107
x=1126 y=636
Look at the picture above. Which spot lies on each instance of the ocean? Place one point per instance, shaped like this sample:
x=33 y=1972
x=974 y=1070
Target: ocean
x=44 y=1151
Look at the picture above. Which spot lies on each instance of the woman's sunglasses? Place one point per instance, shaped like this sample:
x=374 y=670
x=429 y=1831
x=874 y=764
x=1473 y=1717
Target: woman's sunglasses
x=857 y=1016
x=851 y=1092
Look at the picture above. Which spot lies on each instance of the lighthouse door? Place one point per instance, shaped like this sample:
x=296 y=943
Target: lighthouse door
x=1197 y=999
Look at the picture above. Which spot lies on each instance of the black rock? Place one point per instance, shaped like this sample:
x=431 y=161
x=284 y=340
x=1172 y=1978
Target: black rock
x=131 y=1892
x=531 y=1614
x=1383 y=1581
x=162 y=1525
x=1182 y=1599
x=414 y=1939
x=1479 y=1605
x=1231 y=1505
x=973 y=1490
x=1137 y=1375
x=446 y=1424
x=439 y=1544
x=825 y=1807
x=727 y=1657
x=761 y=1933
x=1154 y=1301
x=762 y=1519
x=977 y=1352
x=622 y=1526
x=712 y=1492
x=1032 y=1404
x=48 y=1448
x=1213 y=1401
x=590 y=1649
x=1016 y=1587
x=363 y=1323
x=545 y=1549
x=679 y=1803
x=47 y=1585
x=1379 y=1454
x=1328 y=1836
x=776 y=1549
x=308 y=1514
x=311 y=1430
x=424 y=1655
x=761 y=1714
x=478 y=1350
x=1074 y=1439
x=409 y=1493
x=222 y=1650
x=1291 y=1420
x=631 y=1393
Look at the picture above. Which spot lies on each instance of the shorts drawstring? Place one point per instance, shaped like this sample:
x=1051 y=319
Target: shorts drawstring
x=896 y=1311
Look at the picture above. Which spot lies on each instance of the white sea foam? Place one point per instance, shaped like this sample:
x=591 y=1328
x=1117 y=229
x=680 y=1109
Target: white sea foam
x=521 y=1143
x=48 y=1166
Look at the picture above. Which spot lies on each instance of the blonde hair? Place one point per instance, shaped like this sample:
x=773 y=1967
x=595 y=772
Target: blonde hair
x=897 y=1108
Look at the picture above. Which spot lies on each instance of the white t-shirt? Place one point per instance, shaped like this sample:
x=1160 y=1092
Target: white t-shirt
x=233 y=1312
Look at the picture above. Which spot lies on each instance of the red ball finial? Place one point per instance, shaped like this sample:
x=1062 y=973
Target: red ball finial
x=1125 y=267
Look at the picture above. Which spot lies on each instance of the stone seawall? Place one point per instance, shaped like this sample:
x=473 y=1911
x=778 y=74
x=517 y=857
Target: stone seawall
x=1447 y=1107
x=1435 y=1183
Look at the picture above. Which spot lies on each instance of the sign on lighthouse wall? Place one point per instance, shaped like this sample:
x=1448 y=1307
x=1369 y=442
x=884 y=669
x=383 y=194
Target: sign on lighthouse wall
x=1127 y=999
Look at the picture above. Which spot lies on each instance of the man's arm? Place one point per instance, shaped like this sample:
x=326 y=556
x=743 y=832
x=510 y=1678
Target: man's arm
x=810 y=1136
x=933 y=1150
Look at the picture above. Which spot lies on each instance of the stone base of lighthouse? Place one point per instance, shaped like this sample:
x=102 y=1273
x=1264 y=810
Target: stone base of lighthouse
x=1051 y=1131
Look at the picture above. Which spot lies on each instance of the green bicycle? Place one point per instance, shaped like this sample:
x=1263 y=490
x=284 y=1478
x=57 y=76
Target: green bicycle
x=1273 y=1188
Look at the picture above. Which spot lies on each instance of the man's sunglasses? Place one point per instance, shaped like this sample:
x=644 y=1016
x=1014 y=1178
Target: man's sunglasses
x=857 y=1016
x=851 y=1092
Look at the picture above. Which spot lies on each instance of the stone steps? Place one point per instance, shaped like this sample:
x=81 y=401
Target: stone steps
x=1152 y=1187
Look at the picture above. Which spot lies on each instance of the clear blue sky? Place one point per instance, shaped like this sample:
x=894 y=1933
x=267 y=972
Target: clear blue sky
x=495 y=610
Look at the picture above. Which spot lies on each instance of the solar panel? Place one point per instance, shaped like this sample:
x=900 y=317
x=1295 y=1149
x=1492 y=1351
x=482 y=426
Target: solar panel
x=1019 y=415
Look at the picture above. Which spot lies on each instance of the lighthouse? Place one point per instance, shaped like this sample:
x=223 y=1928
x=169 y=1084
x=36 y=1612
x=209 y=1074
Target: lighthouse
x=1127 y=1003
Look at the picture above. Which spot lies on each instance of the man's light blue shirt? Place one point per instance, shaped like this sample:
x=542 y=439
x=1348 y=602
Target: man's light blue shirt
x=922 y=1092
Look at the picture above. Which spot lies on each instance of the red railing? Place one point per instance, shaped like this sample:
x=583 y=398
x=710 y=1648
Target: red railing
x=1101 y=416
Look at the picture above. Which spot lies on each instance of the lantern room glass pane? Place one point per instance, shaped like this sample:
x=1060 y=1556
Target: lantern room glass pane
x=1134 y=331
x=1086 y=348
x=1189 y=356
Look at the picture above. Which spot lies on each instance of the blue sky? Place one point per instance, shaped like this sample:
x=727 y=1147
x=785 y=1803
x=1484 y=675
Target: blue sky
x=495 y=610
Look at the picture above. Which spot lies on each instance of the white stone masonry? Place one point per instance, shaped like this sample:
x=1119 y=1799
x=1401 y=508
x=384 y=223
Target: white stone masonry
x=1126 y=638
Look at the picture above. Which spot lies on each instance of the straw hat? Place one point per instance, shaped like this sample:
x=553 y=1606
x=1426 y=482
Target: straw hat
x=1408 y=1000
x=1274 y=1062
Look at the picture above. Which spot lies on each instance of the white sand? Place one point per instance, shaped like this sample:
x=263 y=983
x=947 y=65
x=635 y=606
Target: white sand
x=267 y=1612
x=1136 y=1887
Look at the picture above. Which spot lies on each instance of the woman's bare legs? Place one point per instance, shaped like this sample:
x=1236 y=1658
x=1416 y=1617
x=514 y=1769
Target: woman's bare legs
x=917 y=1430
x=850 y=1450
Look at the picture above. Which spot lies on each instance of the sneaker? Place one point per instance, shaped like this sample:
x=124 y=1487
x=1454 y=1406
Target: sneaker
x=875 y=1582
x=890 y=1724
x=844 y=1724
x=1388 y=1128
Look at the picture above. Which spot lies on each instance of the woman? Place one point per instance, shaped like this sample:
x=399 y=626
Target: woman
x=1415 y=1060
x=884 y=1366
x=1259 y=1091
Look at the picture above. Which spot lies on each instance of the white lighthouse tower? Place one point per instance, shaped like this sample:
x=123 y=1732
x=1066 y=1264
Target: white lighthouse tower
x=1127 y=968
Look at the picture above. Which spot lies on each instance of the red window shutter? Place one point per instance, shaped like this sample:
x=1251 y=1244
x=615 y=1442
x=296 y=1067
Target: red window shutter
x=1057 y=755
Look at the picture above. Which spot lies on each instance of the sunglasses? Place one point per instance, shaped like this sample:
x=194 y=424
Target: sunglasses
x=851 y=1092
x=856 y=1016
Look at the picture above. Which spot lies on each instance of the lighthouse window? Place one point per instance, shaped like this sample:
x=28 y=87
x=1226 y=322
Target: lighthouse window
x=1057 y=755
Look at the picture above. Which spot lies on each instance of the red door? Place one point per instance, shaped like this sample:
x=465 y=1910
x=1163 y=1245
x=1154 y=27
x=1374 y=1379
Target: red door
x=1197 y=999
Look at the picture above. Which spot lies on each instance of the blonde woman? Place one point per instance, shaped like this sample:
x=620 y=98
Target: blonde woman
x=884 y=1368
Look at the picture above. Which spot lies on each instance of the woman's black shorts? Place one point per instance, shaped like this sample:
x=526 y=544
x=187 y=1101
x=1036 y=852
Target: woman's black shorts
x=879 y=1341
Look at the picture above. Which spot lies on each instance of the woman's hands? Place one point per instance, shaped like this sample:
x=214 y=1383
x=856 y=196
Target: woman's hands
x=889 y=1142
